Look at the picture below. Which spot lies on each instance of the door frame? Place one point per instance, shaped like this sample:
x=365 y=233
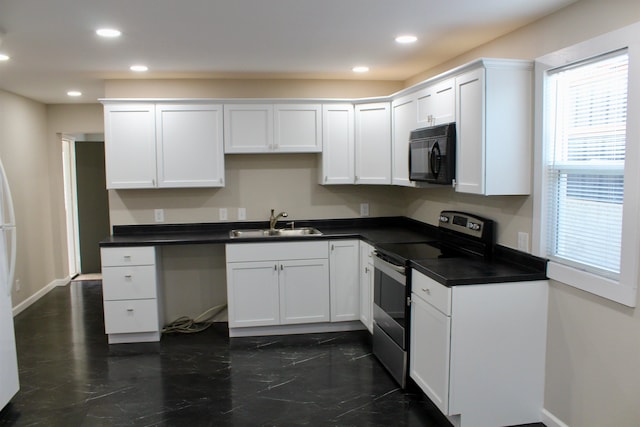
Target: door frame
x=71 y=203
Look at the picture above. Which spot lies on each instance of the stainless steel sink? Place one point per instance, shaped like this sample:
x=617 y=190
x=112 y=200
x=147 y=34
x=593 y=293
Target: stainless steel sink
x=282 y=232
x=302 y=231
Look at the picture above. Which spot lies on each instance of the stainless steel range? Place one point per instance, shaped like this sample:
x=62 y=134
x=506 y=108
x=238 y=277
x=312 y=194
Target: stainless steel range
x=459 y=235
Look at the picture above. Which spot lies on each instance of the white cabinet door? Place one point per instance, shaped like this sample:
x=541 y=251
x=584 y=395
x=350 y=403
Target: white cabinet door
x=404 y=112
x=470 y=153
x=304 y=291
x=253 y=293
x=297 y=128
x=366 y=285
x=338 y=145
x=436 y=104
x=493 y=110
x=190 y=150
x=373 y=143
x=130 y=145
x=248 y=128
x=344 y=280
x=430 y=351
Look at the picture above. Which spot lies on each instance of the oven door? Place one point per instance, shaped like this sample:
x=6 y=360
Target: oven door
x=389 y=319
x=390 y=300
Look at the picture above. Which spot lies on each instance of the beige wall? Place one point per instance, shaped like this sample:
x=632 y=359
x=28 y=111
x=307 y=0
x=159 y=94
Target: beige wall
x=23 y=149
x=65 y=119
x=252 y=88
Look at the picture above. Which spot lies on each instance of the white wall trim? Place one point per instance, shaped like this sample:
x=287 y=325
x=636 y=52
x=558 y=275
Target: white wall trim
x=551 y=420
x=42 y=292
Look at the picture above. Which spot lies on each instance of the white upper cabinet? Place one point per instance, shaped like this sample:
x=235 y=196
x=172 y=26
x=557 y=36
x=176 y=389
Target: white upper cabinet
x=190 y=149
x=248 y=128
x=338 y=145
x=268 y=128
x=373 y=143
x=298 y=128
x=130 y=145
x=404 y=111
x=163 y=145
x=436 y=104
x=494 y=128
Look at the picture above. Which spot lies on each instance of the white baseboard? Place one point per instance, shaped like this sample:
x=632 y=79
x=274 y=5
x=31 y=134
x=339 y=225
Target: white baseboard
x=42 y=292
x=551 y=420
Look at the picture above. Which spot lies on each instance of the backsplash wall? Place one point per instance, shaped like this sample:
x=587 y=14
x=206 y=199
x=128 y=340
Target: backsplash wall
x=258 y=183
x=512 y=214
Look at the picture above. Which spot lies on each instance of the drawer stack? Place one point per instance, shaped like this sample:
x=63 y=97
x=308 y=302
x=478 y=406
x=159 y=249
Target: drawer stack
x=130 y=289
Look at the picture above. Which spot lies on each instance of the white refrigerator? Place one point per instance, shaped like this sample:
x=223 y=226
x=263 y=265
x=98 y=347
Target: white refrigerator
x=9 y=384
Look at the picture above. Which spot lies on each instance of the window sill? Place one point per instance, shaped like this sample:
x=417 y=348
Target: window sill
x=592 y=283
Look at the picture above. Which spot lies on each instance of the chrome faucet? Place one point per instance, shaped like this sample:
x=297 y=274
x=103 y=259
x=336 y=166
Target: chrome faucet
x=273 y=219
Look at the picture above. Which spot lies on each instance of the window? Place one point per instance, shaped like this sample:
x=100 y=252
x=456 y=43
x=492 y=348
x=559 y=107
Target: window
x=587 y=104
x=587 y=166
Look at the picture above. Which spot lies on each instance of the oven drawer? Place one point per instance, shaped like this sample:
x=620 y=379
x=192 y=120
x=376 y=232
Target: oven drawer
x=431 y=291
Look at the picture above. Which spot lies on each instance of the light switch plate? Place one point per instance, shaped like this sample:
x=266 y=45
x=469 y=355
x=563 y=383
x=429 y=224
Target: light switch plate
x=242 y=214
x=364 y=209
x=523 y=241
x=158 y=214
x=223 y=214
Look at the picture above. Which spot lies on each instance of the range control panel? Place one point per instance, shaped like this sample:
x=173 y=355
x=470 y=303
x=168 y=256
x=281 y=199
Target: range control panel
x=465 y=223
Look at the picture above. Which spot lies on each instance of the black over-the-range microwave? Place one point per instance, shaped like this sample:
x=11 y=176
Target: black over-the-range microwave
x=432 y=154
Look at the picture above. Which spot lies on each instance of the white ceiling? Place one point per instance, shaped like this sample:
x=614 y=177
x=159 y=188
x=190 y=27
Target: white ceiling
x=54 y=48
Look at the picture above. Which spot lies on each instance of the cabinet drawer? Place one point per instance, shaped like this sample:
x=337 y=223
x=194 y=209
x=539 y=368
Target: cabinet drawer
x=134 y=282
x=431 y=291
x=122 y=317
x=240 y=252
x=144 y=255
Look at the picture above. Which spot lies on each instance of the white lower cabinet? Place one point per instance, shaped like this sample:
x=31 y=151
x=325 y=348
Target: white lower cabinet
x=277 y=283
x=131 y=294
x=344 y=280
x=252 y=290
x=366 y=285
x=478 y=351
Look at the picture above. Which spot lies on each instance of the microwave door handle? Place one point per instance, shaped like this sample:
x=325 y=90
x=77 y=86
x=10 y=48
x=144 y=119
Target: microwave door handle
x=435 y=160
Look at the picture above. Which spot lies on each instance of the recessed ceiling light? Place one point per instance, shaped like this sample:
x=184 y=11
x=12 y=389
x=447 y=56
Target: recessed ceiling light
x=406 y=39
x=74 y=93
x=139 y=68
x=4 y=57
x=360 y=69
x=108 y=32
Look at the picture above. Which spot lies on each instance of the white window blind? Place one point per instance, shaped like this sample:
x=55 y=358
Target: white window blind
x=586 y=106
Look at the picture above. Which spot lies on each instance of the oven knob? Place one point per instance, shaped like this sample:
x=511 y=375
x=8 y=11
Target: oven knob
x=473 y=226
x=444 y=218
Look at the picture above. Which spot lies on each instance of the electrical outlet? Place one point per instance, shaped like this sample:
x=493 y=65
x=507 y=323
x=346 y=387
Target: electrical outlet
x=523 y=241
x=158 y=214
x=364 y=209
x=223 y=214
x=242 y=214
x=18 y=285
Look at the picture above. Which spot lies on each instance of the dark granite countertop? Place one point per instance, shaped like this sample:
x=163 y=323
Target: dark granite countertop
x=371 y=230
x=508 y=265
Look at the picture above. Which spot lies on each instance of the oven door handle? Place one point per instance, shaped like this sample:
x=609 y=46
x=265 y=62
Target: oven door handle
x=396 y=268
x=400 y=270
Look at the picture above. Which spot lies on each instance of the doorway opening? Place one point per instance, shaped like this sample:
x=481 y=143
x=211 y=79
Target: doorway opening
x=86 y=202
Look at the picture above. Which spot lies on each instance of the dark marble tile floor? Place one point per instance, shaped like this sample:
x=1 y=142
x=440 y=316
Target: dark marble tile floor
x=70 y=376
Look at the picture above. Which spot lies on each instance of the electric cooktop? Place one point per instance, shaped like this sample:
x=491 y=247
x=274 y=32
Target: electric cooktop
x=460 y=234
